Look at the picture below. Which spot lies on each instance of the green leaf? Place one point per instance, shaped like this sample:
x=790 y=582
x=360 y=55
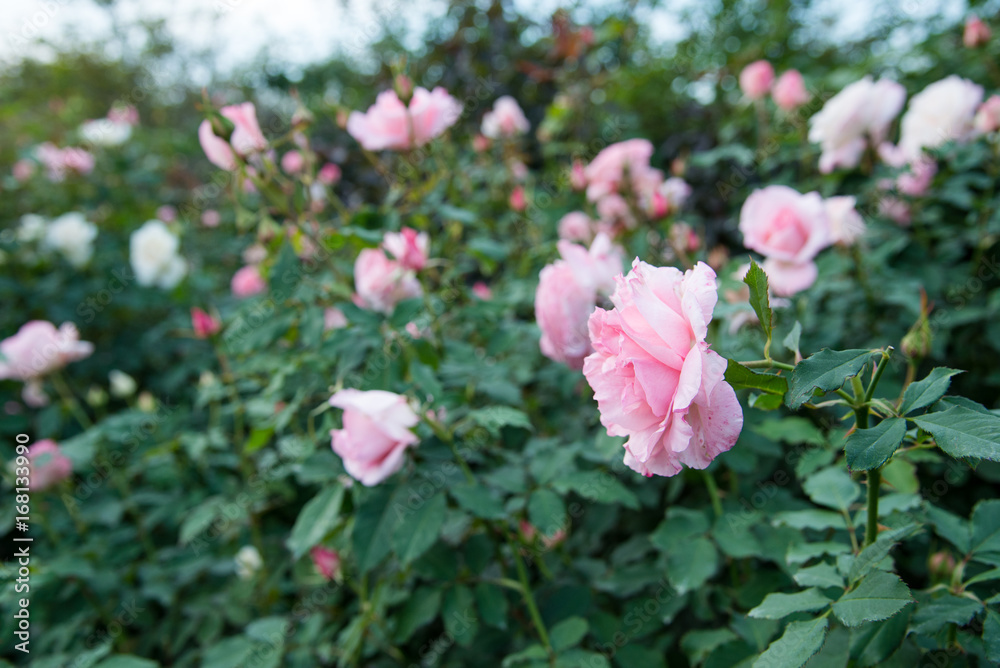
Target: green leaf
x=597 y=486
x=546 y=511
x=568 y=633
x=679 y=525
x=932 y=616
x=820 y=575
x=580 y=658
x=374 y=524
x=494 y=418
x=777 y=605
x=419 y=529
x=699 y=644
x=833 y=488
x=986 y=527
x=810 y=519
x=951 y=527
x=800 y=553
x=792 y=340
x=870 y=557
x=826 y=370
x=869 y=449
x=991 y=635
x=962 y=432
x=691 y=564
x=421 y=609
x=478 y=501
x=874 y=642
x=492 y=604
x=200 y=519
x=756 y=279
x=259 y=437
x=741 y=377
x=232 y=652
x=799 y=642
x=127 y=661
x=925 y=392
x=317 y=517
x=532 y=653
x=459 y=613
x=878 y=596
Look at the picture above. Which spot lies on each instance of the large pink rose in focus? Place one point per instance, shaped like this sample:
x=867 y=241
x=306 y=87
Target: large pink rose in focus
x=788 y=229
x=654 y=377
x=606 y=173
x=39 y=348
x=381 y=282
x=388 y=124
x=376 y=433
x=49 y=465
x=247 y=137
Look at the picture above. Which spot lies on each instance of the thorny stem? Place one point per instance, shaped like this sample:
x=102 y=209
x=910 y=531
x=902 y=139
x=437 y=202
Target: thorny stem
x=529 y=599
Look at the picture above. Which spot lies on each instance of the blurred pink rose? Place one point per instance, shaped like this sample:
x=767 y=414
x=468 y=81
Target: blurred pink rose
x=789 y=91
x=615 y=213
x=216 y=149
x=204 y=325
x=943 y=111
x=210 y=218
x=381 y=283
x=403 y=86
x=976 y=32
x=329 y=174
x=987 y=116
x=846 y=224
x=334 y=318
x=60 y=161
x=409 y=247
x=505 y=119
x=606 y=173
x=49 y=466
x=756 y=79
x=292 y=162
x=23 y=170
x=654 y=377
x=895 y=210
x=518 y=201
x=247 y=137
x=166 y=213
x=576 y=226
x=481 y=144
x=482 y=291
x=248 y=282
x=376 y=433
x=578 y=176
x=414 y=330
x=682 y=236
x=388 y=124
x=326 y=561
x=127 y=114
x=39 y=348
x=788 y=229
x=673 y=193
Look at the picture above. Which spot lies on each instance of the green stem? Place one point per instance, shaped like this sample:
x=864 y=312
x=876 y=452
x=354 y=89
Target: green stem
x=874 y=482
x=768 y=364
x=74 y=406
x=877 y=375
x=529 y=599
x=713 y=492
x=447 y=437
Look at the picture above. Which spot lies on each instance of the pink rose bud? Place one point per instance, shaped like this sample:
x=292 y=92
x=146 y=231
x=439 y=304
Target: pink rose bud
x=481 y=144
x=326 y=561
x=788 y=229
x=124 y=114
x=651 y=349
x=216 y=149
x=39 y=348
x=248 y=282
x=408 y=246
x=576 y=226
x=166 y=213
x=505 y=119
x=756 y=79
x=210 y=218
x=518 y=201
x=292 y=162
x=789 y=91
x=334 y=318
x=376 y=433
x=528 y=531
x=403 y=86
x=381 y=283
x=607 y=172
x=414 y=331
x=987 y=117
x=49 y=466
x=204 y=325
x=390 y=124
x=23 y=170
x=482 y=291
x=578 y=176
x=658 y=205
x=329 y=174
x=976 y=32
x=247 y=137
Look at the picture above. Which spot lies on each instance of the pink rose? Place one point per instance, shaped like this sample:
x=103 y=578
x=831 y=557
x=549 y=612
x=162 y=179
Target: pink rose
x=654 y=377
x=756 y=79
x=578 y=176
x=326 y=561
x=329 y=174
x=976 y=32
x=482 y=291
x=518 y=200
x=334 y=318
x=216 y=149
x=575 y=226
x=49 y=466
x=166 y=213
x=788 y=229
x=389 y=124
x=248 y=282
x=247 y=137
x=505 y=119
x=846 y=224
x=409 y=247
x=675 y=192
x=942 y=112
x=987 y=116
x=124 y=113
x=210 y=218
x=78 y=160
x=39 y=348
x=376 y=433
x=606 y=173
x=292 y=162
x=682 y=236
x=481 y=144
x=203 y=323
x=60 y=161
x=790 y=91
x=23 y=170
x=381 y=283
x=615 y=213
x=895 y=210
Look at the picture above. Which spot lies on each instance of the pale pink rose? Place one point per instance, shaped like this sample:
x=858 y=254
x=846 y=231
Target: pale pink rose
x=166 y=213
x=615 y=213
x=413 y=330
x=606 y=173
x=248 y=282
x=389 y=124
x=211 y=218
x=518 y=200
x=49 y=466
x=39 y=348
x=59 y=162
x=597 y=266
x=481 y=144
x=34 y=395
x=976 y=32
x=895 y=210
x=204 y=324
x=482 y=291
x=518 y=170
x=505 y=119
x=576 y=226
x=942 y=112
x=756 y=79
x=254 y=254
x=654 y=377
x=846 y=224
x=326 y=561
x=217 y=150
x=376 y=433
x=409 y=247
x=788 y=229
x=917 y=179
x=861 y=111
x=789 y=91
x=987 y=116
x=675 y=192
x=578 y=176
x=381 y=283
x=126 y=114
x=293 y=162
x=23 y=170
x=329 y=174
x=78 y=160
x=247 y=137
x=334 y=318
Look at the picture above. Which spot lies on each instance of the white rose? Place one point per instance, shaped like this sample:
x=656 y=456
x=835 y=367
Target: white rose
x=153 y=253
x=32 y=228
x=72 y=236
x=943 y=111
x=846 y=224
x=122 y=384
x=105 y=132
x=248 y=562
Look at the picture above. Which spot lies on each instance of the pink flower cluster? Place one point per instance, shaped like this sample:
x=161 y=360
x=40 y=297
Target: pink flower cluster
x=391 y=124
x=789 y=91
x=376 y=433
x=245 y=140
x=60 y=162
x=382 y=282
